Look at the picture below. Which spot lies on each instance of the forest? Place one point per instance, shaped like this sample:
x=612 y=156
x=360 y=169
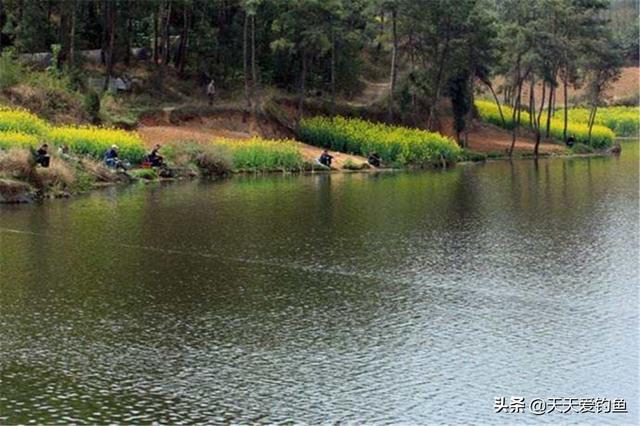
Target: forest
x=426 y=50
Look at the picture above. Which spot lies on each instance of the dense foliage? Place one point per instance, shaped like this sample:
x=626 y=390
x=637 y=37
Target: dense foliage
x=425 y=49
x=601 y=136
x=394 y=144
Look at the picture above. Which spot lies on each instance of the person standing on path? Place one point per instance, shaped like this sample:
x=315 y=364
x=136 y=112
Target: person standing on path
x=211 y=91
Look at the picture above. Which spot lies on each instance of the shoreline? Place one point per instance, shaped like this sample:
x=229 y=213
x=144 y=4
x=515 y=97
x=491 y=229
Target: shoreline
x=19 y=191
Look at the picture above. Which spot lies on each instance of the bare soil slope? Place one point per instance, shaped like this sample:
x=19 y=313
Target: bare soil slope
x=214 y=127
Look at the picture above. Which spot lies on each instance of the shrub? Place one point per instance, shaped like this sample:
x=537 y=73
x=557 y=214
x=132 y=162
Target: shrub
x=22 y=121
x=92 y=106
x=601 y=136
x=146 y=174
x=213 y=160
x=95 y=141
x=469 y=155
x=394 y=144
x=17 y=163
x=10 y=70
x=581 y=148
x=352 y=165
x=258 y=154
x=57 y=174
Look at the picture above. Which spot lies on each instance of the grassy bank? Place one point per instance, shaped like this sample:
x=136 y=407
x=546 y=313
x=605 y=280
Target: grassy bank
x=222 y=156
x=396 y=145
x=23 y=181
x=601 y=137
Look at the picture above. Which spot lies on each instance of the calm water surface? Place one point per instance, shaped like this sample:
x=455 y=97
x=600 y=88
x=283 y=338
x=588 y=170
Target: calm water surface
x=391 y=298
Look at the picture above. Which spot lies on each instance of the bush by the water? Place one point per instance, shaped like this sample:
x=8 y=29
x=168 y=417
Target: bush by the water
x=146 y=174
x=258 y=154
x=581 y=148
x=213 y=160
x=397 y=145
x=601 y=136
x=623 y=120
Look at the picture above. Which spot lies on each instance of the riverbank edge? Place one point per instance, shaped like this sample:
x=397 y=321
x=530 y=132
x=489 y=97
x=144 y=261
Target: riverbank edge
x=18 y=191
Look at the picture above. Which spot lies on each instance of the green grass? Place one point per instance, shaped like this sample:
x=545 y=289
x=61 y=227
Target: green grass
x=469 y=155
x=601 y=136
x=146 y=174
x=396 y=145
x=258 y=154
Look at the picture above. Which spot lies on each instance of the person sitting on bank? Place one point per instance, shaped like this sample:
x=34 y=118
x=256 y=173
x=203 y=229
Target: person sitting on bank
x=571 y=141
x=42 y=155
x=64 y=152
x=155 y=158
x=325 y=158
x=111 y=158
x=374 y=159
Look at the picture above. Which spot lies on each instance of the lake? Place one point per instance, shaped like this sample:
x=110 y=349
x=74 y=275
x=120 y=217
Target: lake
x=373 y=298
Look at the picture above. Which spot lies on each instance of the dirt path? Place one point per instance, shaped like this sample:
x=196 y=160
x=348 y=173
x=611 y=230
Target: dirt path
x=172 y=135
x=372 y=94
x=487 y=138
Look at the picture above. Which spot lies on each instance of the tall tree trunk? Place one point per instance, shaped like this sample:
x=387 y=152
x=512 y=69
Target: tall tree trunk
x=516 y=118
x=333 y=73
x=245 y=59
x=552 y=91
x=72 y=35
x=380 y=35
x=127 y=53
x=63 y=34
x=254 y=67
x=412 y=59
x=537 y=120
x=167 y=36
x=303 y=79
x=156 y=49
x=437 y=83
x=565 y=83
x=594 y=111
x=181 y=56
x=542 y=99
x=532 y=101
x=111 y=28
x=469 y=118
x=394 y=54
x=495 y=98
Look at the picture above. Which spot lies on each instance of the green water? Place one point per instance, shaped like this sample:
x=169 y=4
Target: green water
x=389 y=298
